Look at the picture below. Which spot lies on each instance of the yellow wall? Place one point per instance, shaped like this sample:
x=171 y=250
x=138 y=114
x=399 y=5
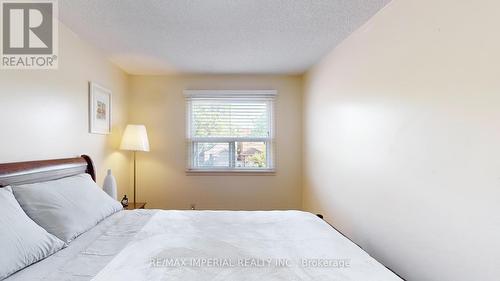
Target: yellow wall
x=44 y=113
x=402 y=139
x=159 y=103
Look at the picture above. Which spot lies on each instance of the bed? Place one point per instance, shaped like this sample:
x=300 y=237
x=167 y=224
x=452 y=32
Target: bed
x=194 y=245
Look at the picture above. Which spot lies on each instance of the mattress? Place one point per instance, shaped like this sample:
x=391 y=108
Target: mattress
x=209 y=245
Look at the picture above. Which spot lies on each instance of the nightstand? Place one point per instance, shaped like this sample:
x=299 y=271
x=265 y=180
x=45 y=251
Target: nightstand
x=138 y=205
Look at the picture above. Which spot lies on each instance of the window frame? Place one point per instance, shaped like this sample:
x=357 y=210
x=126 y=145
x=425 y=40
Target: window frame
x=260 y=95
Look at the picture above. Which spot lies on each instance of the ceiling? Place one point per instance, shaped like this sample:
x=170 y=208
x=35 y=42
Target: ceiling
x=216 y=36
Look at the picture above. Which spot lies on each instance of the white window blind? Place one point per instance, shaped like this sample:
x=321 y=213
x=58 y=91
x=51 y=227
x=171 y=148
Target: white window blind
x=230 y=130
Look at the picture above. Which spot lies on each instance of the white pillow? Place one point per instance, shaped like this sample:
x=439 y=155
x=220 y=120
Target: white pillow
x=66 y=207
x=22 y=241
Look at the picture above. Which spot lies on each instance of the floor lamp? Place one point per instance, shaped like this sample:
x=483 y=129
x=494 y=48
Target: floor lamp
x=135 y=138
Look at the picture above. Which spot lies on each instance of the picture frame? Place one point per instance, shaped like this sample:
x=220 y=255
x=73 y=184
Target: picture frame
x=100 y=109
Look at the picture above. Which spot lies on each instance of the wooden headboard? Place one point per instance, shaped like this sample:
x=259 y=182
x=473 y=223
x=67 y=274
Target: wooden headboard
x=44 y=170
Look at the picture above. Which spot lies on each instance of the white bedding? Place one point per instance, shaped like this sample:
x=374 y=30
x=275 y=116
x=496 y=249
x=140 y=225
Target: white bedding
x=88 y=253
x=210 y=245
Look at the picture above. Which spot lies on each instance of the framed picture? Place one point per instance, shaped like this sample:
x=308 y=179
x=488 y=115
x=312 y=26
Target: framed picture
x=99 y=109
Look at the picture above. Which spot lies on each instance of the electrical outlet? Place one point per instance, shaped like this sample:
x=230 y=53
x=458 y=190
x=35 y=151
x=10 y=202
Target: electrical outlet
x=193 y=206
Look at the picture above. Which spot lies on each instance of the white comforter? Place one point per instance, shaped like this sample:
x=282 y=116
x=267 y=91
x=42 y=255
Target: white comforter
x=217 y=245
x=154 y=245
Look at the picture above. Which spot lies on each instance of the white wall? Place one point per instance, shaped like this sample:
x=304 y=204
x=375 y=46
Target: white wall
x=402 y=139
x=159 y=103
x=44 y=113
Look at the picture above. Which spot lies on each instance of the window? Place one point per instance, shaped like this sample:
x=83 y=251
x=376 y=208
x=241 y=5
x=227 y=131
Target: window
x=230 y=131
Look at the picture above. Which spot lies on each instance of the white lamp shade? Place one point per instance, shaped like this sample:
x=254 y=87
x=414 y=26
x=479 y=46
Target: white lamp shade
x=135 y=138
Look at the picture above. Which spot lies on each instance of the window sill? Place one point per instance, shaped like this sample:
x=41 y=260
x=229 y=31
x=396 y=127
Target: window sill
x=200 y=172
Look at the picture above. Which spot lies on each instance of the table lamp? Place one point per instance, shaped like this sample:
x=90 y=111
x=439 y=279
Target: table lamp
x=135 y=138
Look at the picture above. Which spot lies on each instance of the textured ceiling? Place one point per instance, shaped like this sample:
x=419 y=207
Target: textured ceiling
x=216 y=36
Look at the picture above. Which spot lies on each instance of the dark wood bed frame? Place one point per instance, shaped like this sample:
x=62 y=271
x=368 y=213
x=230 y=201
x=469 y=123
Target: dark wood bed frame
x=45 y=170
